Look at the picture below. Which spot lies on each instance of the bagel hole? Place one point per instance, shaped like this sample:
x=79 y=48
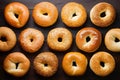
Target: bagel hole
x=3 y=39
x=74 y=64
x=31 y=40
x=74 y=15
x=16 y=15
x=45 y=64
x=17 y=64
x=45 y=14
x=60 y=39
x=87 y=39
x=116 y=39
x=102 y=64
x=103 y=14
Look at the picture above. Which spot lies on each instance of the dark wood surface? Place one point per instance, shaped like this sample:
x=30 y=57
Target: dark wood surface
x=60 y=75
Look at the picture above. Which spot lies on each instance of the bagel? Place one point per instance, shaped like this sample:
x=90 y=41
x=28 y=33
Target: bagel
x=112 y=38
x=102 y=14
x=88 y=39
x=46 y=64
x=59 y=39
x=73 y=14
x=16 y=64
x=7 y=39
x=31 y=40
x=74 y=63
x=16 y=14
x=102 y=63
x=45 y=14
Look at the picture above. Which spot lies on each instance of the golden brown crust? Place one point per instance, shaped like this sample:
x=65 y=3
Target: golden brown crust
x=108 y=61
x=45 y=14
x=46 y=64
x=110 y=40
x=73 y=14
x=94 y=41
x=79 y=59
x=98 y=9
x=16 y=8
x=59 y=33
x=10 y=37
x=16 y=64
x=31 y=40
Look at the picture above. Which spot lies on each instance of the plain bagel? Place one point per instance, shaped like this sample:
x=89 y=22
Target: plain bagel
x=73 y=14
x=45 y=14
x=74 y=63
x=112 y=40
x=59 y=39
x=7 y=39
x=16 y=14
x=16 y=64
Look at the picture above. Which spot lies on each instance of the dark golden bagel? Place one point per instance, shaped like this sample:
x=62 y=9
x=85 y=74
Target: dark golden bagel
x=88 y=39
x=74 y=64
x=16 y=14
x=45 y=14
